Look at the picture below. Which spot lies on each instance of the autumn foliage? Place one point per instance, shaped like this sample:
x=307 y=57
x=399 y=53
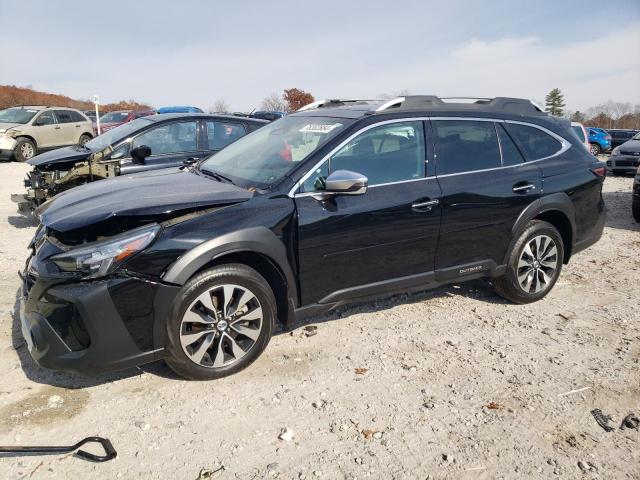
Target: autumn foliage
x=296 y=98
x=11 y=96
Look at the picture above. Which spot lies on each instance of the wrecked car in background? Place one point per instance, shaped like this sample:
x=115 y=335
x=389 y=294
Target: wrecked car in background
x=27 y=131
x=147 y=143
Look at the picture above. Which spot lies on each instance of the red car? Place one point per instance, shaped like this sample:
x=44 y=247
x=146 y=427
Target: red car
x=113 y=119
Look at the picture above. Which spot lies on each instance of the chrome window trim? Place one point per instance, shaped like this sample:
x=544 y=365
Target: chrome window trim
x=565 y=145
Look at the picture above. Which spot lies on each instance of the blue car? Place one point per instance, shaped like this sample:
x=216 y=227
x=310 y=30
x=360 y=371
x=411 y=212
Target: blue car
x=179 y=109
x=599 y=139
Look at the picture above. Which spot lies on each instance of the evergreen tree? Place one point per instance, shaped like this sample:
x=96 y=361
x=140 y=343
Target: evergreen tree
x=554 y=102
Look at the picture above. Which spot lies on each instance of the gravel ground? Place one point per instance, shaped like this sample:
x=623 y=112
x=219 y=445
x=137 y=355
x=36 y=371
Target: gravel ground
x=450 y=383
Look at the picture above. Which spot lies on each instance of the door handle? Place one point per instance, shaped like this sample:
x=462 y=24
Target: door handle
x=425 y=206
x=57 y=127
x=523 y=188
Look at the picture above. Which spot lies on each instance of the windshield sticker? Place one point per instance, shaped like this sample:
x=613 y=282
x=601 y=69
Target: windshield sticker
x=319 y=128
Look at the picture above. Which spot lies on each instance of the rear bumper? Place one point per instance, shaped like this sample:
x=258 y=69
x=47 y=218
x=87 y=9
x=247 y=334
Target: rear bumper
x=91 y=327
x=594 y=235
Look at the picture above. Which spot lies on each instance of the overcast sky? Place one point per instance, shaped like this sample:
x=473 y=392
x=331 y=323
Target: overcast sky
x=194 y=52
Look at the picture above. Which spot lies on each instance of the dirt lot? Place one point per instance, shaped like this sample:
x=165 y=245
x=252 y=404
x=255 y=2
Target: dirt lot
x=455 y=383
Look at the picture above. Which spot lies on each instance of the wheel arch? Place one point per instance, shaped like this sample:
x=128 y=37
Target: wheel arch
x=28 y=137
x=556 y=209
x=258 y=248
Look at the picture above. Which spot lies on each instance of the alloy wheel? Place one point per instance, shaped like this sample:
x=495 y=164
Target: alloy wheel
x=594 y=150
x=221 y=326
x=26 y=149
x=537 y=264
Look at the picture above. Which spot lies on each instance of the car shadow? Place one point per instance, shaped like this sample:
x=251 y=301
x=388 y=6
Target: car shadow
x=480 y=290
x=619 y=211
x=477 y=289
x=23 y=221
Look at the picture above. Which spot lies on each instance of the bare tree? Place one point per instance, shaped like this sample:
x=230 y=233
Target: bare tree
x=274 y=103
x=220 y=106
x=389 y=96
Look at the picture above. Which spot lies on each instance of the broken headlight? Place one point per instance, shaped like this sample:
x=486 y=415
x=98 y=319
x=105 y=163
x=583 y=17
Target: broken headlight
x=97 y=259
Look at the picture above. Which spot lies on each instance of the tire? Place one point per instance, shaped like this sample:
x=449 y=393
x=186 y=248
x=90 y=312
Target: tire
x=194 y=324
x=543 y=270
x=635 y=208
x=84 y=138
x=25 y=150
x=595 y=149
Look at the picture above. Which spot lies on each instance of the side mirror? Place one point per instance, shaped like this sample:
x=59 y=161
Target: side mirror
x=344 y=182
x=139 y=154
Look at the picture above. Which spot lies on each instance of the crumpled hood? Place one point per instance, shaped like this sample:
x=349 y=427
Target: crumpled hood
x=133 y=196
x=59 y=155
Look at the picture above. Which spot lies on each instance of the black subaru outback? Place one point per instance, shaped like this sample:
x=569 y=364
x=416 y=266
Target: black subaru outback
x=343 y=201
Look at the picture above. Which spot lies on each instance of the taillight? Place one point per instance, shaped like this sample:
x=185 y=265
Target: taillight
x=600 y=171
x=608 y=137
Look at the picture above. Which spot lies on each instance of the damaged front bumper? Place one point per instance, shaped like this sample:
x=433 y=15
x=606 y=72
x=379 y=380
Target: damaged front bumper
x=92 y=326
x=7 y=147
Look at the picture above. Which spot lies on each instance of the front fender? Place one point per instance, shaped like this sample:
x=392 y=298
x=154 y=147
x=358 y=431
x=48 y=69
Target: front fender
x=255 y=239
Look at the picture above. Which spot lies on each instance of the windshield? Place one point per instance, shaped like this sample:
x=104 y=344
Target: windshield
x=113 y=117
x=17 y=115
x=116 y=134
x=268 y=154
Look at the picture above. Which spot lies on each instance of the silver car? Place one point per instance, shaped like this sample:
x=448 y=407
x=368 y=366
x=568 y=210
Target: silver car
x=28 y=130
x=625 y=158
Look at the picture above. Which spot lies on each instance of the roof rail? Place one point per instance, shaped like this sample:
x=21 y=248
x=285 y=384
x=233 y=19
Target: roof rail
x=419 y=102
x=333 y=102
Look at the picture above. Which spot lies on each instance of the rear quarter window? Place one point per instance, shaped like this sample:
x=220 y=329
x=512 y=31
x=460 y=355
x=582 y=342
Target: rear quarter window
x=533 y=142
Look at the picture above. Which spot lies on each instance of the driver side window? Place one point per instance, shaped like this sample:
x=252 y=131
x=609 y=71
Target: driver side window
x=389 y=153
x=45 y=118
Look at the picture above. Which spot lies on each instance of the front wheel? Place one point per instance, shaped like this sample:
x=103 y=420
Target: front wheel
x=223 y=321
x=25 y=150
x=534 y=264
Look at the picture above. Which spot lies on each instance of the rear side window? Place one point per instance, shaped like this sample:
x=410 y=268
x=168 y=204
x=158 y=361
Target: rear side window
x=77 y=116
x=64 y=116
x=533 y=142
x=169 y=138
x=221 y=134
x=465 y=146
x=510 y=153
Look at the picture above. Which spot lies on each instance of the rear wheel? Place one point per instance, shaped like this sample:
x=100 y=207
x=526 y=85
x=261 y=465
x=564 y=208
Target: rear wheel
x=534 y=264
x=635 y=208
x=25 y=150
x=224 y=320
x=595 y=149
